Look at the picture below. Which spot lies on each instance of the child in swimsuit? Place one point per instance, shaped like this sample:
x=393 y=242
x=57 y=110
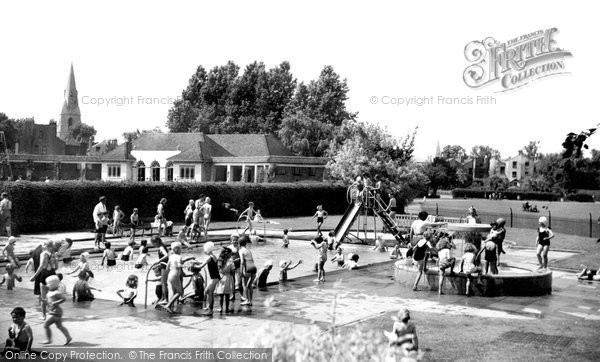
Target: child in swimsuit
x=20 y=335
x=351 y=261
x=249 y=212
x=175 y=275
x=248 y=270
x=83 y=265
x=10 y=277
x=321 y=215
x=286 y=240
x=128 y=252
x=339 y=258
x=197 y=284
x=396 y=253
x=321 y=246
x=586 y=274
x=284 y=266
x=54 y=299
x=82 y=291
x=404 y=333
x=130 y=292
x=445 y=261
x=143 y=256
x=9 y=251
x=263 y=275
x=380 y=244
x=118 y=217
x=135 y=223
x=109 y=255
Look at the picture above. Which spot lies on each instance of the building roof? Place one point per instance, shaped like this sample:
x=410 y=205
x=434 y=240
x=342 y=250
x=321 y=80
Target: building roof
x=200 y=147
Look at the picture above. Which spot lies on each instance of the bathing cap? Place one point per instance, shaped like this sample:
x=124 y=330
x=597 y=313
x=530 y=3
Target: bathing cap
x=543 y=220
x=208 y=247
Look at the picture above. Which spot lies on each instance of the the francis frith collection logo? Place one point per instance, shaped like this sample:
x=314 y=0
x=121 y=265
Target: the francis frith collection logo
x=514 y=63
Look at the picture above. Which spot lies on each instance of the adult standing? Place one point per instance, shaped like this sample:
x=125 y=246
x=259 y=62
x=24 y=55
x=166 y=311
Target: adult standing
x=100 y=215
x=46 y=267
x=5 y=214
x=207 y=209
x=160 y=213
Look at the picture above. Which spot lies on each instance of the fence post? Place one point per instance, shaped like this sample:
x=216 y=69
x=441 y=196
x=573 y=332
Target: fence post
x=436 y=211
x=591 y=225
x=549 y=219
x=511 y=217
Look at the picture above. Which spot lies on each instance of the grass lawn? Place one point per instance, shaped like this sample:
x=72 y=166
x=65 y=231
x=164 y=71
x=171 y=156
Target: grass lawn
x=571 y=210
x=451 y=337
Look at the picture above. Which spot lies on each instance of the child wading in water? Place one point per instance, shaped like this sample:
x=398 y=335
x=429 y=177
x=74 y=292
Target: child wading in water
x=175 y=275
x=339 y=258
x=321 y=215
x=83 y=266
x=284 y=266
x=263 y=275
x=143 y=255
x=54 y=299
x=130 y=292
x=380 y=244
x=321 y=246
x=467 y=266
x=286 y=240
x=20 y=335
x=109 y=255
x=135 y=223
x=404 y=333
x=10 y=277
x=9 y=251
x=82 y=291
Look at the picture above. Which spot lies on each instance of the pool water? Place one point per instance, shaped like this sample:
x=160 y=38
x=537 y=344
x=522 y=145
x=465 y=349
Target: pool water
x=109 y=280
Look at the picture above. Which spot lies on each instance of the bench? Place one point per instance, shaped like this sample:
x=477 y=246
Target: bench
x=146 y=224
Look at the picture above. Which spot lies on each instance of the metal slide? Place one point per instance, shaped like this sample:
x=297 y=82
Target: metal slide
x=347 y=220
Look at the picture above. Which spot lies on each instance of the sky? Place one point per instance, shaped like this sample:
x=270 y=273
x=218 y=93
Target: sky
x=386 y=51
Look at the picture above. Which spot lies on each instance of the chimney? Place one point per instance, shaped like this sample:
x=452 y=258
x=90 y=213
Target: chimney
x=128 y=148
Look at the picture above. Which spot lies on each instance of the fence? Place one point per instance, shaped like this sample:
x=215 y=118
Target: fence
x=581 y=227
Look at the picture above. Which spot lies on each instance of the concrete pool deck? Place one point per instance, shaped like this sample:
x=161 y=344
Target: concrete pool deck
x=361 y=295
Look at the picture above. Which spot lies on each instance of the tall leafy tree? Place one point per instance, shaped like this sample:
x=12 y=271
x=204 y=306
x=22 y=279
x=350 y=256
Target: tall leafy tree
x=531 y=150
x=485 y=151
x=305 y=136
x=453 y=152
x=441 y=174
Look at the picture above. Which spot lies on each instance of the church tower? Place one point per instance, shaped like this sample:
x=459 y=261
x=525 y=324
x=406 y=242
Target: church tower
x=70 y=116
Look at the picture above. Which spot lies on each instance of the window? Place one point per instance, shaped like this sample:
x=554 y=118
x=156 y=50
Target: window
x=36 y=149
x=312 y=171
x=155 y=171
x=514 y=174
x=114 y=170
x=297 y=171
x=280 y=170
x=169 y=171
x=141 y=175
x=41 y=134
x=514 y=164
x=526 y=173
x=44 y=150
x=70 y=122
x=502 y=170
x=526 y=163
x=187 y=172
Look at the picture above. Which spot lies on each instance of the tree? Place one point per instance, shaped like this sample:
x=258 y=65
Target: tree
x=485 y=151
x=453 y=152
x=574 y=143
x=368 y=148
x=496 y=183
x=82 y=132
x=133 y=135
x=441 y=174
x=305 y=136
x=10 y=129
x=531 y=150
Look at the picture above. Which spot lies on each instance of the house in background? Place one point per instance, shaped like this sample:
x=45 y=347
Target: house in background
x=516 y=169
x=199 y=157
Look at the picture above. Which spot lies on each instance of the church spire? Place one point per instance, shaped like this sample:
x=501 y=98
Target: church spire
x=438 y=152
x=70 y=116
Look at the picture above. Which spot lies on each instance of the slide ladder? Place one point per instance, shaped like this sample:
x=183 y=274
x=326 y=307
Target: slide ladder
x=388 y=222
x=347 y=220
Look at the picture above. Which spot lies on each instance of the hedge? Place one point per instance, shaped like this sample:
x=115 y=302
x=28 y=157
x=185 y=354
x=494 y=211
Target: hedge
x=508 y=194
x=581 y=197
x=68 y=205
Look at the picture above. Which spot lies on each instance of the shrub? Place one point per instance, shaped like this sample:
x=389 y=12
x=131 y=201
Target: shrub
x=68 y=205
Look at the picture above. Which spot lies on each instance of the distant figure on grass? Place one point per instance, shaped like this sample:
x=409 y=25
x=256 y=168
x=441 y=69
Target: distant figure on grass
x=82 y=291
x=404 y=333
x=130 y=292
x=321 y=246
x=100 y=216
x=20 y=335
x=118 y=216
x=321 y=215
x=544 y=234
x=263 y=275
x=109 y=255
x=469 y=267
x=249 y=213
x=284 y=266
x=5 y=214
x=135 y=223
x=54 y=299
x=10 y=277
x=9 y=251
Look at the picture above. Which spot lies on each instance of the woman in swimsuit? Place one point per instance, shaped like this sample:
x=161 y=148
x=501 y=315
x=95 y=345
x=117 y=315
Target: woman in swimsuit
x=248 y=270
x=47 y=267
